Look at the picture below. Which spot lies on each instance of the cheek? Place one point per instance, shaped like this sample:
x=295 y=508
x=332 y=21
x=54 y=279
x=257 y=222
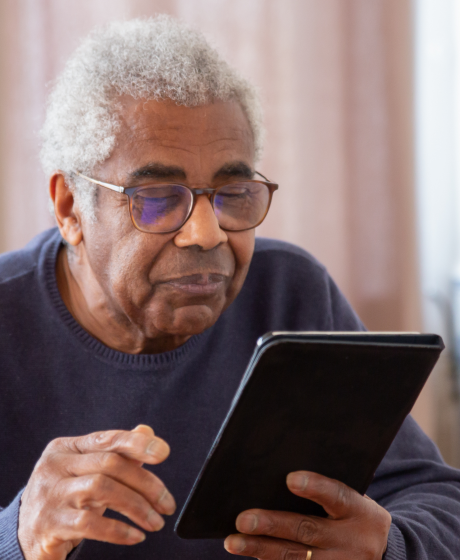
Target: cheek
x=121 y=258
x=130 y=265
x=242 y=245
x=109 y=233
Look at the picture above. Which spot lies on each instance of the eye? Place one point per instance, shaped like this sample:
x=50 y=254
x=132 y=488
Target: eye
x=163 y=199
x=237 y=191
x=166 y=196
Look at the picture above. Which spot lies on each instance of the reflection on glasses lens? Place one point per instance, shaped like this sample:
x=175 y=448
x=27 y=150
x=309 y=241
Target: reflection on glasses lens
x=241 y=206
x=161 y=209
x=165 y=208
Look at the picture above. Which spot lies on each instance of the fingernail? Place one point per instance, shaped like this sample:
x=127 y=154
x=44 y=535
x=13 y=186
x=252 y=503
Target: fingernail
x=235 y=544
x=155 y=521
x=247 y=523
x=135 y=536
x=167 y=502
x=297 y=481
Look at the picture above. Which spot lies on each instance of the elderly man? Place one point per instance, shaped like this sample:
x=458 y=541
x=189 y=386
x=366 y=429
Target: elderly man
x=142 y=309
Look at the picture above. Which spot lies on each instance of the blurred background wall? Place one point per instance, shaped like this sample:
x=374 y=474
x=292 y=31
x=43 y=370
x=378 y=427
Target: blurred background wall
x=337 y=80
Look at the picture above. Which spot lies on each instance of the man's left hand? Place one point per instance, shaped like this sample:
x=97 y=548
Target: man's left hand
x=357 y=527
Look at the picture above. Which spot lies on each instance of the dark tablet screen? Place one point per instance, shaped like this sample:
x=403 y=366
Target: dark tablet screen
x=326 y=402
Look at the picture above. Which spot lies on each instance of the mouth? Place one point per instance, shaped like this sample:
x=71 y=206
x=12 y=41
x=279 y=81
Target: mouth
x=199 y=284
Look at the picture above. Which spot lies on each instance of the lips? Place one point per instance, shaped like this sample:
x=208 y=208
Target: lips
x=199 y=284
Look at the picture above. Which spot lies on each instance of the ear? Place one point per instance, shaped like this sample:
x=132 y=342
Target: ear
x=67 y=217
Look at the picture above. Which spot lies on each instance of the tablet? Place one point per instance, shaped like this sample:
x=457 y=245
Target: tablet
x=330 y=403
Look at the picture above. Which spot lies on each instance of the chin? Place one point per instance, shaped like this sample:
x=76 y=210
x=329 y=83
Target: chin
x=188 y=320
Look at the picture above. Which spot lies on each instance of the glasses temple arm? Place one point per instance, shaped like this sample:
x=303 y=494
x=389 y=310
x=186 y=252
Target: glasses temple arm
x=122 y=189
x=263 y=176
x=101 y=183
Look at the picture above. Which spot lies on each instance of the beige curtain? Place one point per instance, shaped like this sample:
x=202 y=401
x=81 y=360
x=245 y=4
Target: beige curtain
x=336 y=78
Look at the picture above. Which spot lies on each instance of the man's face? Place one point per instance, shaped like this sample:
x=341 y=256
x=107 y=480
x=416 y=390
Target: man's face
x=176 y=283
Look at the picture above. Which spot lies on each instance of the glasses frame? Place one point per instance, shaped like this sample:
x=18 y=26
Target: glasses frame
x=210 y=192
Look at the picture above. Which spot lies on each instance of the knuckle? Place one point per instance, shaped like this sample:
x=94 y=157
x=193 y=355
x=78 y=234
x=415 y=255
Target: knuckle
x=67 y=444
x=49 y=462
x=82 y=521
x=107 y=440
x=98 y=483
x=307 y=529
x=45 y=473
x=55 y=445
x=270 y=526
x=289 y=554
x=40 y=481
x=341 y=497
x=111 y=462
x=120 y=441
x=42 y=468
x=96 y=441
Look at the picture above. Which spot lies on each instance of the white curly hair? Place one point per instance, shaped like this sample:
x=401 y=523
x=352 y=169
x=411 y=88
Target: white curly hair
x=157 y=58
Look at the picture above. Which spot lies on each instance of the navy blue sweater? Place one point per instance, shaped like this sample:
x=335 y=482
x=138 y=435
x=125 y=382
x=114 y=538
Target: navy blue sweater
x=57 y=380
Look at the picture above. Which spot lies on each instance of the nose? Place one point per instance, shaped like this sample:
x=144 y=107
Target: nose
x=202 y=228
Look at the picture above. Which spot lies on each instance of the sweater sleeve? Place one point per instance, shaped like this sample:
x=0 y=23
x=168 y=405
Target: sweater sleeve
x=9 y=544
x=413 y=483
x=422 y=494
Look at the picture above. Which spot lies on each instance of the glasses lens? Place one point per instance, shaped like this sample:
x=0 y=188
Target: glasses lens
x=161 y=208
x=241 y=205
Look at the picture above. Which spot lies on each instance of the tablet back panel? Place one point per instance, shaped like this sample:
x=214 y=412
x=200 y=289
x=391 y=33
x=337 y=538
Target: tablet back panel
x=320 y=403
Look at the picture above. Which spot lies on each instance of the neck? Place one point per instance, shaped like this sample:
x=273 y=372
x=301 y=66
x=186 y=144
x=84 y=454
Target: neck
x=87 y=303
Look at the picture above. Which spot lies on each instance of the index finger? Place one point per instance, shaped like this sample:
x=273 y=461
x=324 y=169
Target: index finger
x=138 y=445
x=338 y=499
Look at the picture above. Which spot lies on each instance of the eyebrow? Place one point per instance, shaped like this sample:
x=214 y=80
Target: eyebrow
x=234 y=169
x=157 y=170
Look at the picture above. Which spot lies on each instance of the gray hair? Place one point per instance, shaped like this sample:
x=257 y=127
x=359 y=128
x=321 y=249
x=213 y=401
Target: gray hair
x=157 y=58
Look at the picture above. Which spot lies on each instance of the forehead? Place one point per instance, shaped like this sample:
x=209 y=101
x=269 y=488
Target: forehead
x=204 y=137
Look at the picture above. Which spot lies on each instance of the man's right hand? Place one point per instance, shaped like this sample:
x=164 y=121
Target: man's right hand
x=78 y=478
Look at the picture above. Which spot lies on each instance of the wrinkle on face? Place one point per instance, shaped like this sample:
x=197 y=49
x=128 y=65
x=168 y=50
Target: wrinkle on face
x=131 y=306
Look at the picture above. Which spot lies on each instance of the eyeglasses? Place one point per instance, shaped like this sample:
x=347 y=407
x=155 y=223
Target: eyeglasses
x=164 y=208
